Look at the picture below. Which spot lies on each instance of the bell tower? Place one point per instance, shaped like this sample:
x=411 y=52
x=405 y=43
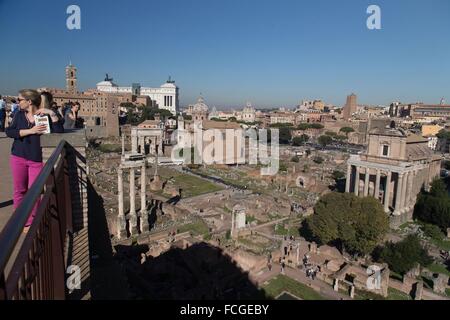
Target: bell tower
x=71 y=78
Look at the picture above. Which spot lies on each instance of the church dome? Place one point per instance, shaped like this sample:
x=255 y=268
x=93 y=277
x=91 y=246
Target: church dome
x=200 y=106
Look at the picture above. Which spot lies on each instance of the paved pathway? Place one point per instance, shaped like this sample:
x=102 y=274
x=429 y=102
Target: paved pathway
x=6 y=188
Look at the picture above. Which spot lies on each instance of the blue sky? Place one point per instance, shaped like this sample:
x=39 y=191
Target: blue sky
x=273 y=53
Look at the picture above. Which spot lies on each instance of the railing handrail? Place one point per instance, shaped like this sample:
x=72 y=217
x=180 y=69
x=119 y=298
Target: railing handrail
x=12 y=231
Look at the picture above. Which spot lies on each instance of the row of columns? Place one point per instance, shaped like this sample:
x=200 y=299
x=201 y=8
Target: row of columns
x=139 y=142
x=132 y=216
x=404 y=195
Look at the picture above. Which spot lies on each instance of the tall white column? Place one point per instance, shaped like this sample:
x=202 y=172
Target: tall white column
x=399 y=194
x=133 y=141
x=387 y=191
x=405 y=195
x=366 y=183
x=377 y=185
x=412 y=189
x=144 y=215
x=121 y=220
x=160 y=147
x=349 y=179
x=133 y=217
x=357 y=181
x=142 y=144
x=123 y=144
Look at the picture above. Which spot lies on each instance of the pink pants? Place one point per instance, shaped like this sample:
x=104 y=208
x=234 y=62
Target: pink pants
x=24 y=172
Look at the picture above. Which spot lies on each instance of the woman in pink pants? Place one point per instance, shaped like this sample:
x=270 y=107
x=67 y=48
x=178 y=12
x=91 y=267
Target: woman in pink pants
x=26 y=152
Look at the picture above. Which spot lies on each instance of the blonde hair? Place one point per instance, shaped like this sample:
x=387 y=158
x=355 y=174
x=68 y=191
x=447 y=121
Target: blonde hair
x=46 y=100
x=32 y=95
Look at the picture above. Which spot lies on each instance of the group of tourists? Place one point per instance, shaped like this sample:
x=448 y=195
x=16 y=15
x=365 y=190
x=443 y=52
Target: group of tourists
x=26 y=152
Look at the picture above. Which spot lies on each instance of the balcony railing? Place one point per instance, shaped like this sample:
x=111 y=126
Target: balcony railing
x=32 y=265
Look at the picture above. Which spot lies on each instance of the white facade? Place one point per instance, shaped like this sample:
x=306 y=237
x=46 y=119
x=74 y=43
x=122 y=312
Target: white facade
x=165 y=97
x=248 y=114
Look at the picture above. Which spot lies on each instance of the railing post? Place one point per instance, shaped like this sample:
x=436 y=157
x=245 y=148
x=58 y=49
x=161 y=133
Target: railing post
x=2 y=287
x=57 y=247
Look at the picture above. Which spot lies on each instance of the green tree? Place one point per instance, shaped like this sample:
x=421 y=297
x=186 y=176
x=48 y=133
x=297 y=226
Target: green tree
x=300 y=140
x=325 y=140
x=340 y=138
x=356 y=224
x=337 y=175
x=316 y=126
x=446 y=165
x=347 y=130
x=132 y=117
x=434 y=207
x=303 y=126
x=285 y=135
x=404 y=255
x=443 y=134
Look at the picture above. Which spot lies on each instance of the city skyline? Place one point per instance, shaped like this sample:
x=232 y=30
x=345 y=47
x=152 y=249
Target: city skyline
x=272 y=55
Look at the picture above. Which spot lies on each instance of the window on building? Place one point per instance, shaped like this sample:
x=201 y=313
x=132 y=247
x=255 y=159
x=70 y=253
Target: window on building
x=385 y=151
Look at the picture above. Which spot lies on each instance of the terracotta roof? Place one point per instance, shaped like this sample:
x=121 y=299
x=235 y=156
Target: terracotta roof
x=209 y=124
x=414 y=138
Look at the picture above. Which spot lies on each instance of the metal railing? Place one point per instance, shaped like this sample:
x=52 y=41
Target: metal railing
x=36 y=260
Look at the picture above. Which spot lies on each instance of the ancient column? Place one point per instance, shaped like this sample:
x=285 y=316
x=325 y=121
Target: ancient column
x=133 y=141
x=133 y=217
x=399 y=194
x=160 y=147
x=405 y=194
x=121 y=221
x=123 y=145
x=357 y=181
x=144 y=215
x=349 y=178
x=387 y=191
x=377 y=185
x=366 y=183
x=410 y=197
x=152 y=146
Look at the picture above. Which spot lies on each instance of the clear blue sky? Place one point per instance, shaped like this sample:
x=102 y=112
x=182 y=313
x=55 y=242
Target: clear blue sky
x=273 y=53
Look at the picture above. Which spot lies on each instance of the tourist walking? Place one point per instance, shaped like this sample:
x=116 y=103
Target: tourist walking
x=2 y=114
x=26 y=153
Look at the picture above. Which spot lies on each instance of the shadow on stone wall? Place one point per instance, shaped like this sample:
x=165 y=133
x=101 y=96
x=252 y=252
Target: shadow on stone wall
x=198 y=272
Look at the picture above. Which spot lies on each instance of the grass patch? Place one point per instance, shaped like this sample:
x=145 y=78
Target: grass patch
x=108 y=148
x=441 y=244
x=447 y=292
x=281 y=230
x=197 y=228
x=395 y=275
x=394 y=294
x=438 y=268
x=282 y=283
x=366 y=295
x=193 y=186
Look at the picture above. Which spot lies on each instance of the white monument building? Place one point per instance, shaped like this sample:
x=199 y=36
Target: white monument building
x=165 y=97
